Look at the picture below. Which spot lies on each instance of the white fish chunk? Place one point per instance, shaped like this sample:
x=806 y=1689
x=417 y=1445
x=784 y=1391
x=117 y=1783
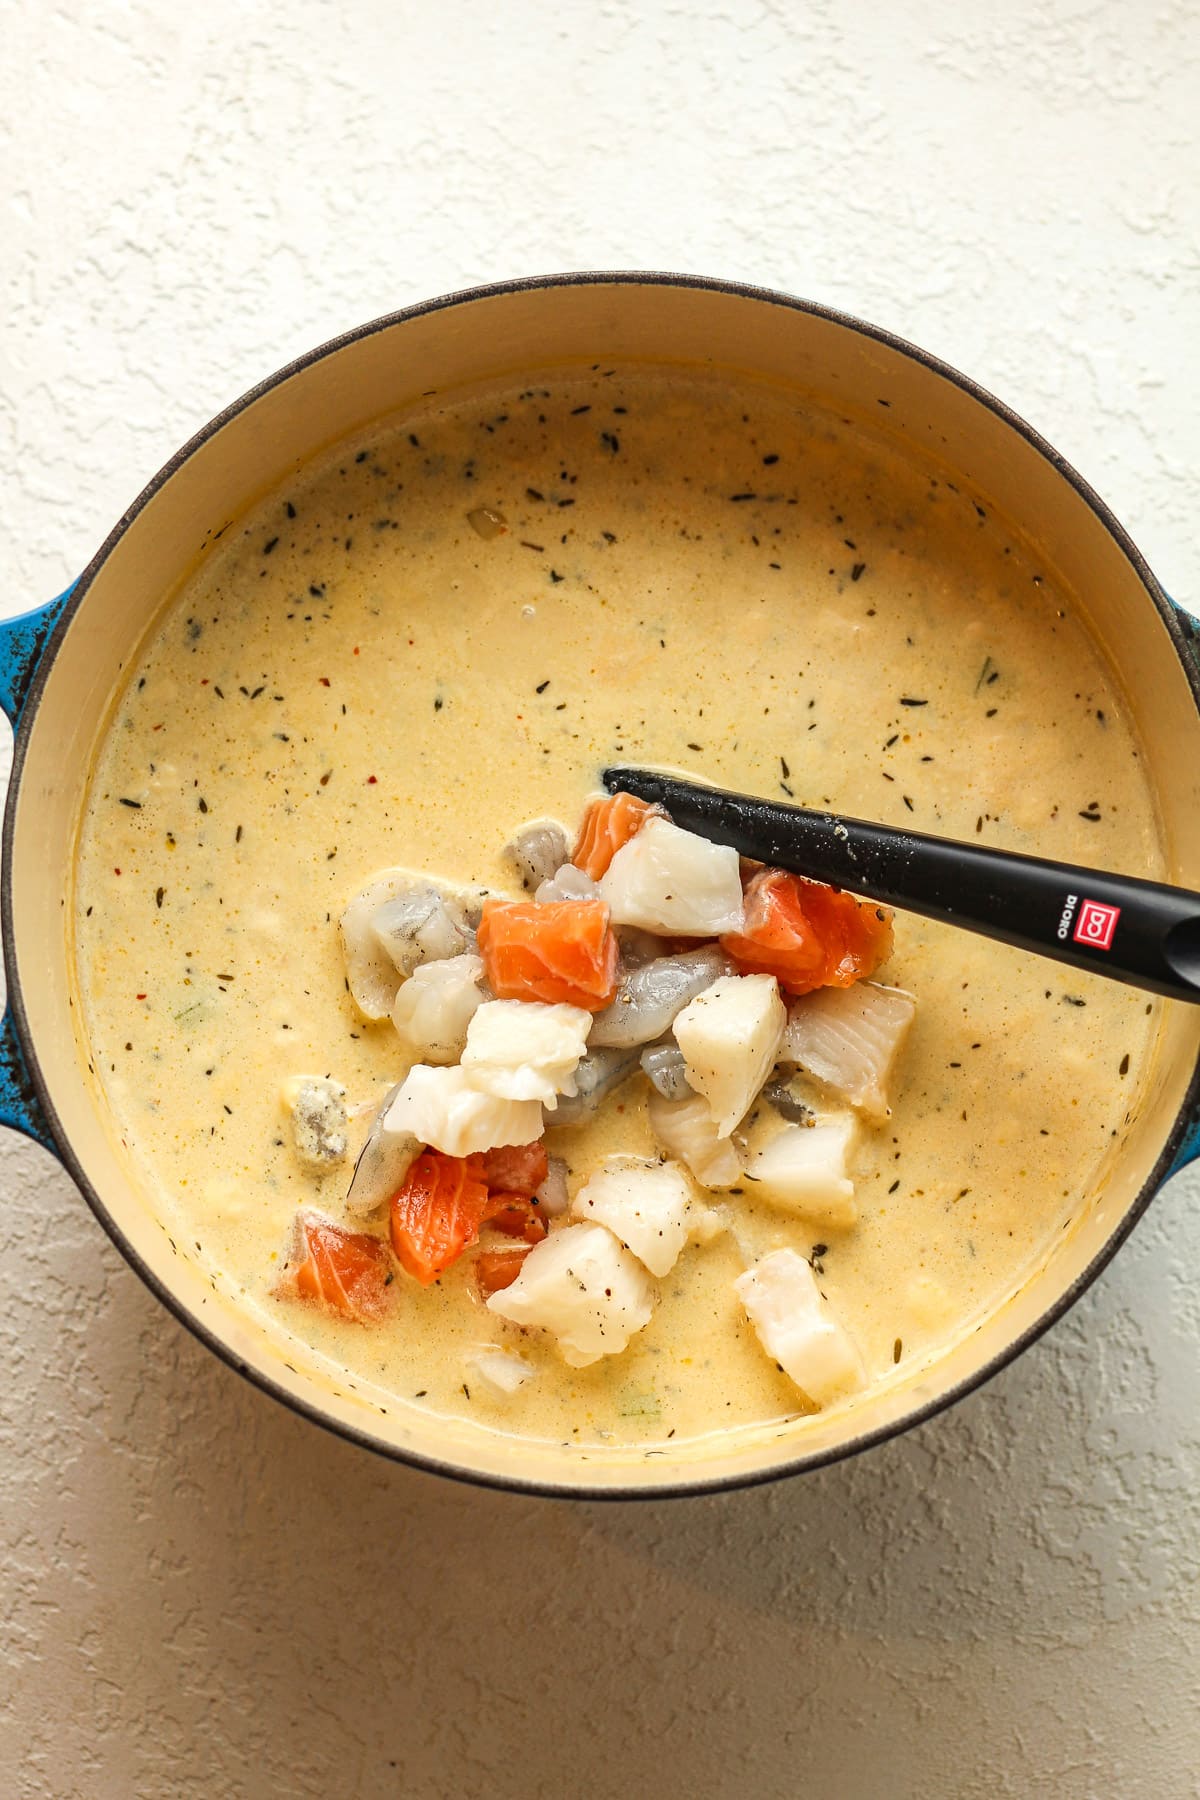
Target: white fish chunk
x=500 y=1371
x=585 y=1288
x=648 y=1205
x=798 y=1329
x=649 y=996
x=417 y=926
x=567 y=883
x=849 y=1040
x=803 y=1169
x=525 y=1049
x=537 y=852
x=435 y=1006
x=685 y=1130
x=383 y=1162
x=672 y=881
x=442 y=1107
x=730 y=1037
x=318 y=1108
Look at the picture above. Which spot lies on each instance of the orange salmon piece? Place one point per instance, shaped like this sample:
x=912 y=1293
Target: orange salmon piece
x=561 y=953
x=437 y=1212
x=496 y=1269
x=607 y=827
x=808 y=935
x=347 y=1271
x=516 y=1216
x=516 y=1168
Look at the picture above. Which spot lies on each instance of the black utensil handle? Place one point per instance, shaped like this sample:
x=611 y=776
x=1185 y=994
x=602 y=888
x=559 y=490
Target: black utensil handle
x=1140 y=932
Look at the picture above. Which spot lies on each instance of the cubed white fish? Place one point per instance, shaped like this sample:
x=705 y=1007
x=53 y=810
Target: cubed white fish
x=849 y=1040
x=798 y=1329
x=436 y=1004
x=685 y=1129
x=648 y=1205
x=525 y=1049
x=584 y=1287
x=804 y=1169
x=672 y=881
x=730 y=1037
x=442 y=1107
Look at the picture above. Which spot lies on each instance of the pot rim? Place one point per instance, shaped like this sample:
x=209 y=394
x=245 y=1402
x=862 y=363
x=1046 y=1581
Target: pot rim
x=310 y=1409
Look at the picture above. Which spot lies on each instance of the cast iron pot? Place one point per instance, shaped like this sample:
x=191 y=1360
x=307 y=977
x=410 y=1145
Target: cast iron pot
x=60 y=668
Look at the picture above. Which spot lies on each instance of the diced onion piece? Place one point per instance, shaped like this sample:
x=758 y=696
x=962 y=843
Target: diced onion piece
x=318 y=1109
x=584 y=1287
x=797 y=1327
x=435 y=1006
x=849 y=1039
x=646 y=1204
x=730 y=1038
x=669 y=880
x=537 y=852
x=443 y=1108
x=500 y=1371
x=803 y=1168
x=649 y=996
x=383 y=1162
x=525 y=1049
x=552 y=1196
x=685 y=1130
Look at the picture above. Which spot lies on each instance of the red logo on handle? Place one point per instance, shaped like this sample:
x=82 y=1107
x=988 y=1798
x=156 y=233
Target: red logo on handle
x=1096 y=924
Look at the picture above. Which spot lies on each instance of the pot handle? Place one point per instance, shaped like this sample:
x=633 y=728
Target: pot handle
x=1189 y=1150
x=22 y=641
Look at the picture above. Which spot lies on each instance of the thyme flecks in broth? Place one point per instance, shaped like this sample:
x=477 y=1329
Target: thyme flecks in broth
x=445 y=630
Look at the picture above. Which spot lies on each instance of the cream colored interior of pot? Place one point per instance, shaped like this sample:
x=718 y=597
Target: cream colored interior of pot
x=475 y=341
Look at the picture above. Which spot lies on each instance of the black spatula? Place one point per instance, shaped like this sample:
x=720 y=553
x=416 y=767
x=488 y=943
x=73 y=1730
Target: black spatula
x=1140 y=932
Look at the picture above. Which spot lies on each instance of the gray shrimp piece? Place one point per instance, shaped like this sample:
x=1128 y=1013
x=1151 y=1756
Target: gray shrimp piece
x=665 y=1068
x=383 y=1161
x=649 y=997
x=788 y=1104
x=595 y=1078
x=537 y=852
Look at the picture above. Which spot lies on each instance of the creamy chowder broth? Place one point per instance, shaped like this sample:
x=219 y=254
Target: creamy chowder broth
x=694 y=572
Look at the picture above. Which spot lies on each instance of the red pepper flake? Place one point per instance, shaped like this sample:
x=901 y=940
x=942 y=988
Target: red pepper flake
x=116 y=871
x=324 y=680
x=204 y=681
x=356 y=649
x=371 y=780
x=139 y=996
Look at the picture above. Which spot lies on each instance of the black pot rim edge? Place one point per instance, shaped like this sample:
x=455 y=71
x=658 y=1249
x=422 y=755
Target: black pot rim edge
x=568 y=1490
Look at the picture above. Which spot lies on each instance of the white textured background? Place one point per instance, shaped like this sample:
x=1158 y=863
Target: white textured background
x=204 y=1595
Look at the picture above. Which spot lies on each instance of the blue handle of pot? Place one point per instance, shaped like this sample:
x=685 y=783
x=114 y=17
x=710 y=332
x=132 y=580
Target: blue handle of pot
x=22 y=641
x=1189 y=1150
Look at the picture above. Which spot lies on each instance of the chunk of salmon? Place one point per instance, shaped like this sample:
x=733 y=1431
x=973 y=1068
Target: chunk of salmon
x=348 y=1272
x=607 y=827
x=516 y=1168
x=496 y=1269
x=517 y=1216
x=564 y=953
x=437 y=1212
x=808 y=935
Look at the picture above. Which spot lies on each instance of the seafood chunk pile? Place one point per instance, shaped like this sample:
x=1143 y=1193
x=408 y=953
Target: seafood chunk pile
x=738 y=997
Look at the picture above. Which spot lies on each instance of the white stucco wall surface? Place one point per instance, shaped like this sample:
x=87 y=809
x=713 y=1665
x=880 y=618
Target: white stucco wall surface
x=205 y=1595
